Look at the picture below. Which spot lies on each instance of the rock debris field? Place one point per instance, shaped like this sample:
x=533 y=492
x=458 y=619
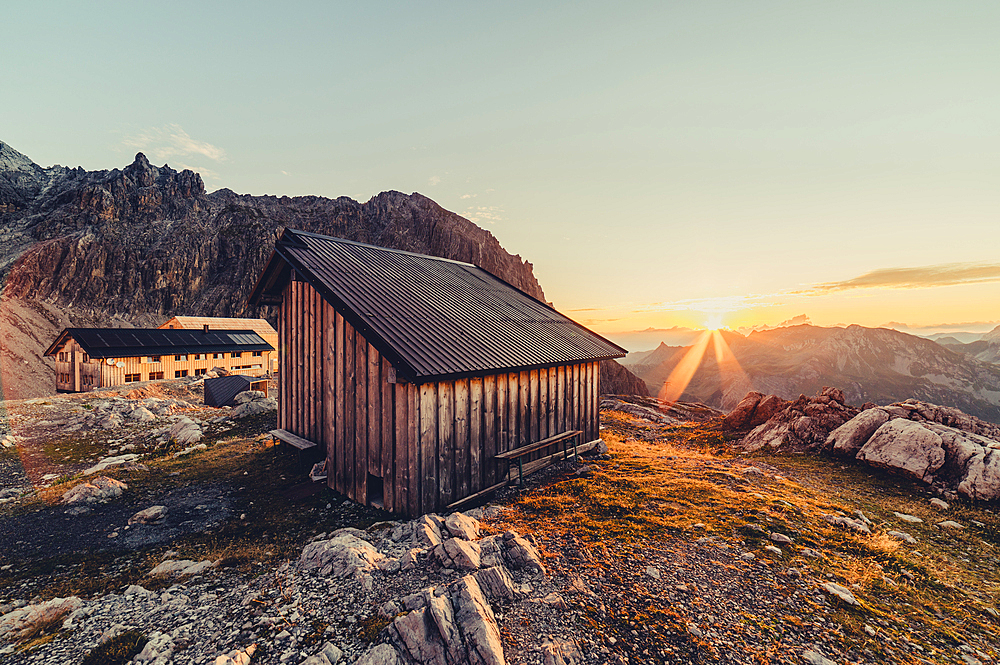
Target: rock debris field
x=151 y=547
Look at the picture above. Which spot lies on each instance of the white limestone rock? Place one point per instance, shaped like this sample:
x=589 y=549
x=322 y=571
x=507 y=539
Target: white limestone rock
x=151 y=515
x=185 y=432
x=907 y=447
x=342 y=555
x=841 y=592
x=180 y=568
x=98 y=490
x=25 y=620
x=462 y=526
x=852 y=435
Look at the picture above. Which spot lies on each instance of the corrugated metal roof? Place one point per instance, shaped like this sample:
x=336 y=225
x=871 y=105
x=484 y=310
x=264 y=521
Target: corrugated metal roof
x=222 y=390
x=259 y=326
x=133 y=342
x=436 y=317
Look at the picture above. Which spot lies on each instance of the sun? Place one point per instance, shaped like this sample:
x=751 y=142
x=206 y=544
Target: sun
x=713 y=320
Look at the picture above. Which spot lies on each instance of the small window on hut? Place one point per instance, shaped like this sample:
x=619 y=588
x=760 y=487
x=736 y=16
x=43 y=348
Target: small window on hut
x=375 y=491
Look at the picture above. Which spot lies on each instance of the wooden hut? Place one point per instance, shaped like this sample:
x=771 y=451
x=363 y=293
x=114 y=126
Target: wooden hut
x=423 y=378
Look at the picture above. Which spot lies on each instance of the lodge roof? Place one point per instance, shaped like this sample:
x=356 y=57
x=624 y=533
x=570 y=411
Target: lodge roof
x=133 y=342
x=259 y=326
x=433 y=318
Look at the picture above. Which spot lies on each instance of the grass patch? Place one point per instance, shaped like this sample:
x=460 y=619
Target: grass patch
x=74 y=449
x=118 y=650
x=686 y=481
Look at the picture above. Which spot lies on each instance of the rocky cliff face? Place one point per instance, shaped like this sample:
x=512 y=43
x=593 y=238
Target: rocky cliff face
x=617 y=380
x=146 y=242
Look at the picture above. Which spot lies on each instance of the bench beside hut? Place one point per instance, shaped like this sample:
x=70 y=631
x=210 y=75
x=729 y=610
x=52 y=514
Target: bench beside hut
x=414 y=373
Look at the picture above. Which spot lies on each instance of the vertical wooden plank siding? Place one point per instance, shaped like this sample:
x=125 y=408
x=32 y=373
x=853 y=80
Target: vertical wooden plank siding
x=524 y=410
x=373 y=402
x=462 y=443
x=446 y=442
x=413 y=446
x=428 y=447
x=388 y=443
x=595 y=390
x=337 y=472
x=543 y=406
x=293 y=357
x=360 y=418
x=477 y=445
x=490 y=432
x=513 y=438
x=402 y=477
x=349 y=411
x=561 y=399
x=553 y=402
x=329 y=386
x=533 y=406
x=577 y=418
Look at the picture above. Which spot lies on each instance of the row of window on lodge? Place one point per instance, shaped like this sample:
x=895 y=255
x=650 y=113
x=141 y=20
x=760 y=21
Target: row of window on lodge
x=153 y=376
x=64 y=358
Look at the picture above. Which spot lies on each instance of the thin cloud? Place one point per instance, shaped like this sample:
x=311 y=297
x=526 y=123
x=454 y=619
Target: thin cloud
x=488 y=214
x=947 y=274
x=201 y=170
x=434 y=180
x=171 y=141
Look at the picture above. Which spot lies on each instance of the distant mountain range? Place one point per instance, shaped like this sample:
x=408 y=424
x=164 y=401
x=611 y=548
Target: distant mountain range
x=986 y=348
x=869 y=364
x=133 y=246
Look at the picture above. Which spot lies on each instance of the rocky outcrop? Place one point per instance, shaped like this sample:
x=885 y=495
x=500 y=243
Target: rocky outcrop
x=803 y=424
x=658 y=411
x=753 y=410
x=134 y=245
x=617 y=380
x=942 y=446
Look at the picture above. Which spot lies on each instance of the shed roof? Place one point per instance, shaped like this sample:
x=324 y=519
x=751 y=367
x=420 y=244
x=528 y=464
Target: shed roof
x=433 y=318
x=132 y=342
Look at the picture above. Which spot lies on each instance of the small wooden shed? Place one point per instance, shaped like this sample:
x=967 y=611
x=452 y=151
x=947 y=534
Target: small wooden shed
x=413 y=373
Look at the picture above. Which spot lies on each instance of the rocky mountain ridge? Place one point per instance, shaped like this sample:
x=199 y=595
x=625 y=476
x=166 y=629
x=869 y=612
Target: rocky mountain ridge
x=139 y=244
x=869 y=364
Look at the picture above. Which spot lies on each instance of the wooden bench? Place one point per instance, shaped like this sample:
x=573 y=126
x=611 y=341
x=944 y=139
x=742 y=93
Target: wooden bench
x=519 y=453
x=301 y=445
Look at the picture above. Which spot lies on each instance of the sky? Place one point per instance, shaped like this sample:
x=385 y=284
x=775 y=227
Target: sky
x=661 y=164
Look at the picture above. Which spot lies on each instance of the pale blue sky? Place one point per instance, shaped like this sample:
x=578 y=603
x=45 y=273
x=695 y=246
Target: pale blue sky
x=657 y=162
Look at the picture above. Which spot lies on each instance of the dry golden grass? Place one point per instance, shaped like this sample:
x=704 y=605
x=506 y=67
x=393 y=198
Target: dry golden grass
x=687 y=482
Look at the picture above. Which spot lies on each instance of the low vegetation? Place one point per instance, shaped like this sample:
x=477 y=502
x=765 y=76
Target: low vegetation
x=670 y=485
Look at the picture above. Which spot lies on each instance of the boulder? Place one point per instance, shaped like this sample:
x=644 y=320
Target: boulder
x=252 y=407
x=753 y=410
x=151 y=515
x=185 y=431
x=383 y=654
x=141 y=414
x=342 y=555
x=181 y=568
x=98 y=490
x=906 y=447
x=852 y=435
x=109 y=462
x=26 y=620
x=462 y=526
x=458 y=553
